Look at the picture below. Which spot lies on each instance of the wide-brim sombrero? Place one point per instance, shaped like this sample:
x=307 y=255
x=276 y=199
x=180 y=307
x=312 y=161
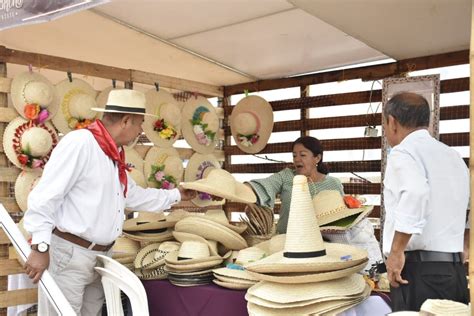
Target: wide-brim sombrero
x=194 y=266
x=65 y=91
x=235 y=274
x=160 y=157
x=195 y=169
x=173 y=259
x=135 y=163
x=261 y=111
x=151 y=235
x=187 y=127
x=151 y=274
x=25 y=182
x=17 y=93
x=43 y=140
x=211 y=230
x=234 y=280
x=156 y=102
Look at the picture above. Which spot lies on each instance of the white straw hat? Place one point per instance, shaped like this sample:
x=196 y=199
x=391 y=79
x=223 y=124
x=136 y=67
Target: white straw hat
x=305 y=250
x=444 y=307
x=148 y=221
x=153 y=255
x=220 y=182
x=200 y=124
x=25 y=182
x=236 y=270
x=232 y=285
x=76 y=99
x=330 y=208
x=211 y=230
x=32 y=93
x=251 y=123
x=125 y=247
x=27 y=144
x=135 y=163
x=164 y=129
x=182 y=237
x=219 y=216
x=125 y=101
x=163 y=168
x=198 y=167
x=150 y=235
x=191 y=252
x=102 y=97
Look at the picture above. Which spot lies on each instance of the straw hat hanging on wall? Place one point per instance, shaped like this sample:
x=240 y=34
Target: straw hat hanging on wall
x=251 y=123
x=164 y=129
x=163 y=168
x=34 y=97
x=25 y=182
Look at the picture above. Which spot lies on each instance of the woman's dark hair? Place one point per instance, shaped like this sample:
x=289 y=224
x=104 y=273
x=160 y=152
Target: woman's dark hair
x=316 y=148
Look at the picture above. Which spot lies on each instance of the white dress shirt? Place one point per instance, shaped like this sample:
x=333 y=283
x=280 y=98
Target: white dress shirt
x=426 y=194
x=80 y=193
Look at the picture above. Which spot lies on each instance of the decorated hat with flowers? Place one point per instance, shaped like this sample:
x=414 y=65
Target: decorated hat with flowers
x=163 y=168
x=198 y=168
x=251 y=123
x=34 y=97
x=164 y=129
x=27 y=144
x=76 y=100
x=135 y=163
x=200 y=124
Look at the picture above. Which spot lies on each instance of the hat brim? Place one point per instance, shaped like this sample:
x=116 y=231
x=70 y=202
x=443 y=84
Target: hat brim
x=234 y=273
x=234 y=280
x=232 y=285
x=133 y=158
x=333 y=260
x=123 y=112
x=156 y=237
x=347 y=222
x=182 y=237
x=332 y=217
x=151 y=274
x=263 y=110
x=172 y=258
x=243 y=194
x=194 y=266
x=211 y=230
x=25 y=182
x=132 y=225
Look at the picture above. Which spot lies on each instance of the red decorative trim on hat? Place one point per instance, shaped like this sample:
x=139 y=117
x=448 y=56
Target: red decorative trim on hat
x=23 y=155
x=249 y=140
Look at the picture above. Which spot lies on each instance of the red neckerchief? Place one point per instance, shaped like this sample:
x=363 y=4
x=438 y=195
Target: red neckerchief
x=109 y=147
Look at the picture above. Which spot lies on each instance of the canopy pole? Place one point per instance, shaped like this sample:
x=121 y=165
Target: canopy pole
x=471 y=160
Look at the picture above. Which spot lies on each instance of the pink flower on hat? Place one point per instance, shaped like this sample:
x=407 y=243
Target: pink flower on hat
x=159 y=175
x=166 y=185
x=43 y=116
x=36 y=163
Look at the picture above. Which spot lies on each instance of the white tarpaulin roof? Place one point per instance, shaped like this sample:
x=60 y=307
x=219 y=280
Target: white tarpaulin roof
x=224 y=42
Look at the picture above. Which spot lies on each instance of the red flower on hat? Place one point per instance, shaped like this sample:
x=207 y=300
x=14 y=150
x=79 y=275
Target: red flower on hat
x=23 y=159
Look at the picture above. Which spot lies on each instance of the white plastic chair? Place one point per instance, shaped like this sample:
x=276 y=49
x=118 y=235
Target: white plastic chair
x=110 y=280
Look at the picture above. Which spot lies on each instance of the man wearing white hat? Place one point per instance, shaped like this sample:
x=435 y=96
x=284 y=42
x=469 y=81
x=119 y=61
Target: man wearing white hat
x=76 y=211
x=426 y=193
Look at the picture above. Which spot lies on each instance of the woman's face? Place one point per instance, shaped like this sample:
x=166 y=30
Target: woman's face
x=304 y=160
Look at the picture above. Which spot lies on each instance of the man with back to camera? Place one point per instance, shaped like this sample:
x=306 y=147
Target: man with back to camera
x=77 y=209
x=426 y=194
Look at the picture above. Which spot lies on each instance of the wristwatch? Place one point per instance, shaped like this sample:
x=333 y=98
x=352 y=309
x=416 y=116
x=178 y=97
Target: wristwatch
x=41 y=247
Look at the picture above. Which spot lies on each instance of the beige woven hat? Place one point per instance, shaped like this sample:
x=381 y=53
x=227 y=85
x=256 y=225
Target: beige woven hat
x=151 y=274
x=163 y=168
x=27 y=144
x=191 y=252
x=182 y=237
x=164 y=129
x=153 y=255
x=251 y=123
x=148 y=221
x=158 y=235
x=198 y=167
x=211 y=230
x=219 y=216
x=102 y=97
x=444 y=307
x=330 y=210
x=236 y=270
x=33 y=93
x=136 y=165
x=232 y=285
x=25 y=182
x=125 y=101
x=304 y=249
x=125 y=247
x=220 y=182
x=200 y=124
x=76 y=99
x=227 y=279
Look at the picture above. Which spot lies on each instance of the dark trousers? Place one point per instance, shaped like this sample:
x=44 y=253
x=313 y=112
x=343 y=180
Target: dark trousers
x=430 y=280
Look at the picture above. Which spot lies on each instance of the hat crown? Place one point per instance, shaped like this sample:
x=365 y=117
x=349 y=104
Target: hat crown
x=173 y=166
x=37 y=141
x=171 y=114
x=302 y=223
x=148 y=217
x=444 y=307
x=81 y=105
x=248 y=255
x=191 y=249
x=169 y=246
x=126 y=98
x=38 y=92
x=211 y=120
x=246 y=123
x=217 y=215
x=223 y=179
x=327 y=202
x=125 y=246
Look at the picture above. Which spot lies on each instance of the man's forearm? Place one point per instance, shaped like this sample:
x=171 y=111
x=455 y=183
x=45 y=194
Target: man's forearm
x=400 y=242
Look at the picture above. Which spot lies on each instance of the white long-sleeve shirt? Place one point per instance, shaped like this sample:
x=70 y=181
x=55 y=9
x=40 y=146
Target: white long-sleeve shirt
x=426 y=193
x=80 y=193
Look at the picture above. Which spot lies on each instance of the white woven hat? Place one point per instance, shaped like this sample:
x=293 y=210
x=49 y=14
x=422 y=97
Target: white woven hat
x=163 y=168
x=220 y=182
x=164 y=129
x=76 y=99
x=29 y=88
x=150 y=235
x=124 y=247
x=304 y=249
x=444 y=307
x=25 y=182
x=232 y=285
x=182 y=237
x=198 y=167
x=125 y=101
x=149 y=221
x=135 y=163
x=102 y=97
x=153 y=255
x=219 y=216
x=211 y=230
x=251 y=123
x=192 y=252
x=236 y=270
x=227 y=279
x=330 y=208
x=27 y=144
x=200 y=124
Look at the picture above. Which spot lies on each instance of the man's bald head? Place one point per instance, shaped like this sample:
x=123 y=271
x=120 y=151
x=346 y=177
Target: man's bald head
x=411 y=110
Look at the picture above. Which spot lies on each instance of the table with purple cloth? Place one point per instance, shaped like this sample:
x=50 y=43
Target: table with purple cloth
x=167 y=299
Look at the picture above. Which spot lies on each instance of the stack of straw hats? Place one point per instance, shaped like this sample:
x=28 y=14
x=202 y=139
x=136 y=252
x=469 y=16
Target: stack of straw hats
x=125 y=251
x=149 y=263
x=308 y=276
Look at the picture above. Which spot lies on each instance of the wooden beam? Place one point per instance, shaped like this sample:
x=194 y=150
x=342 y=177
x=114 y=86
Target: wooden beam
x=18 y=297
x=8 y=174
x=5 y=84
x=10 y=204
x=4 y=240
x=10 y=266
x=7 y=114
x=364 y=73
x=361 y=188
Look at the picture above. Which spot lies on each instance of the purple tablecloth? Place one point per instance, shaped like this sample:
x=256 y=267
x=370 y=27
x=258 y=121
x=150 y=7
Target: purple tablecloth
x=167 y=299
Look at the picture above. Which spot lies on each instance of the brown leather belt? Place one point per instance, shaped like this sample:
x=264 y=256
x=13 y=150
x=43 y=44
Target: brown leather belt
x=81 y=242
